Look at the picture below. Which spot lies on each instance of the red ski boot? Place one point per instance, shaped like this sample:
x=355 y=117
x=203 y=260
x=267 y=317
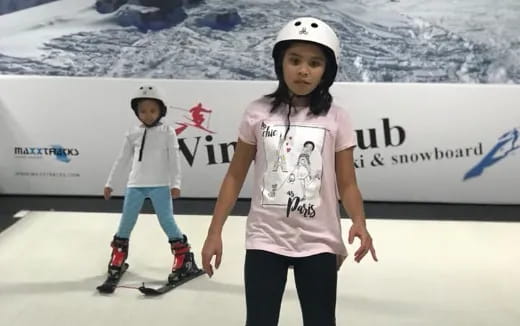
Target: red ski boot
x=183 y=262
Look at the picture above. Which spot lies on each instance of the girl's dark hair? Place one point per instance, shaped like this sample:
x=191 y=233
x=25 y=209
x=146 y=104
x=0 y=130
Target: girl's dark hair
x=320 y=98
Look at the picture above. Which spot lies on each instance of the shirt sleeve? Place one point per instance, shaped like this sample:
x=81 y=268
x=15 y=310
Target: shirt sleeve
x=122 y=160
x=246 y=130
x=345 y=137
x=175 y=159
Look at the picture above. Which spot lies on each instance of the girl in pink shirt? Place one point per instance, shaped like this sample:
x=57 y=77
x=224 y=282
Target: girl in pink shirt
x=302 y=145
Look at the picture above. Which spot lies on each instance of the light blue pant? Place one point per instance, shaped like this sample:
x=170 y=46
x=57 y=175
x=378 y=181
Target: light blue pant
x=162 y=203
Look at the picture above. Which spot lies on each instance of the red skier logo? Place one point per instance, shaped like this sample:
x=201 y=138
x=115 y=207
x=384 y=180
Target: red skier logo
x=197 y=119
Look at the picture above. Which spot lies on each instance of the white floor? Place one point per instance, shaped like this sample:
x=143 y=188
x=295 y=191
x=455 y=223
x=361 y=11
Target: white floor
x=430 y=273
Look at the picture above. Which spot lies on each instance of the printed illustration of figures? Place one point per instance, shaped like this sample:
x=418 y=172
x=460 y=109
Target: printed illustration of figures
x=293 y=164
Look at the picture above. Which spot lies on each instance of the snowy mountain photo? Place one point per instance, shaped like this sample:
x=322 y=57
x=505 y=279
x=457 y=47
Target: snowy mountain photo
x=8 y=6
x=449 y=41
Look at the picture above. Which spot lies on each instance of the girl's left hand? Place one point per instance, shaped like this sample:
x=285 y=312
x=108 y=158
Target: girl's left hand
x=176 y=193
x=360 y=231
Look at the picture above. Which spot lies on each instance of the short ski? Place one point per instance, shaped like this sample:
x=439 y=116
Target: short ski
x=112 y=281
x=170 y=285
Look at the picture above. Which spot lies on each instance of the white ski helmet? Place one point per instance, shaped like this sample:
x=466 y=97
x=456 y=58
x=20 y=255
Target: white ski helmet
x=151 y=93
x=309 y=29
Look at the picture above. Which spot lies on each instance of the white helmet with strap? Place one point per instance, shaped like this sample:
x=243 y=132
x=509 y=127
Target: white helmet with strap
x=309 y=29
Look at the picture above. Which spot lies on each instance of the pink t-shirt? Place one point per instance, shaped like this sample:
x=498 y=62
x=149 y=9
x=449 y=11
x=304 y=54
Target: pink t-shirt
x=294 y=208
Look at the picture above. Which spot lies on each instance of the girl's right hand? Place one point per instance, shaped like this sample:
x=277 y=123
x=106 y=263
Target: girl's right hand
x=212 y=247
x=107 y=192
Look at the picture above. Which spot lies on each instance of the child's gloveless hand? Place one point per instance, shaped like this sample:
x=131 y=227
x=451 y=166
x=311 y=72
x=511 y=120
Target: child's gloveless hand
x=360 y=231
x=176 y=193
x=212 y=247
x=107 y=192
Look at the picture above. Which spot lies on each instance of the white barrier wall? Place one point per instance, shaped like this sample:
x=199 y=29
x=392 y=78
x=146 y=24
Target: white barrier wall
x=417 y=142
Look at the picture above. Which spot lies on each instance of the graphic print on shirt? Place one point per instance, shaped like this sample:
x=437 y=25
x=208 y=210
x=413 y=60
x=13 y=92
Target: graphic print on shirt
x=292 y=178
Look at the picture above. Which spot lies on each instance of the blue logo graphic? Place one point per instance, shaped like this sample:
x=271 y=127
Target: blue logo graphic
x=60 y=153
x=506 y=144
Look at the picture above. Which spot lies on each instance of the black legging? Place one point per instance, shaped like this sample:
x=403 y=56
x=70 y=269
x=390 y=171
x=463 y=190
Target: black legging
x=265 y=277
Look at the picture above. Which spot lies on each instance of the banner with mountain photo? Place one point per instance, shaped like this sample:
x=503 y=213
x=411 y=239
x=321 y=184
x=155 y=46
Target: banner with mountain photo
x=440 y=41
